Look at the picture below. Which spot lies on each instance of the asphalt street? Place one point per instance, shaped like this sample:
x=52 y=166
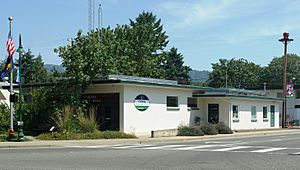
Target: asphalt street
x=255 y=152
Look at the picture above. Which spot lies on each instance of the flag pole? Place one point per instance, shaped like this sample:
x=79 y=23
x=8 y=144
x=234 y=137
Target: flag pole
x=11 y=130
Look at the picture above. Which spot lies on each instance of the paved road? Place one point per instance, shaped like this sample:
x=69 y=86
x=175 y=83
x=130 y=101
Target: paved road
x=262 y=152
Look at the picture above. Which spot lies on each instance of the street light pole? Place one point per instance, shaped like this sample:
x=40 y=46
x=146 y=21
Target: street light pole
x=20 y=122
x=285 y=40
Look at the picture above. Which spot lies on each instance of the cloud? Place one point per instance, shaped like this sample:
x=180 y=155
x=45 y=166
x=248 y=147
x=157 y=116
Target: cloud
x=231 y=21
x=183 y=14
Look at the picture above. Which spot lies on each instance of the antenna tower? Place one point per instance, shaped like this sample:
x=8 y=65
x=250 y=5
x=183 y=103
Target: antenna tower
x=91 y=14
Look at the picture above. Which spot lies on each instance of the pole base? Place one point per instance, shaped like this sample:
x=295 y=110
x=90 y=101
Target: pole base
x=11 y=134
x=21 y=135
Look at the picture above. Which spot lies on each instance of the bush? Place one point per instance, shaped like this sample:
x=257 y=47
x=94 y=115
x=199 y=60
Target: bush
x=65 y=121
x=3 y=137
x=223 y=129
x=4 y=118
x=77 y=136
x=189 y=131
x=88 y=123
x=208 y=129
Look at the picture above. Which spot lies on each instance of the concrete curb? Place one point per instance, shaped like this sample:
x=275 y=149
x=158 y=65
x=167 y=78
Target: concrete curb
x=103 y=142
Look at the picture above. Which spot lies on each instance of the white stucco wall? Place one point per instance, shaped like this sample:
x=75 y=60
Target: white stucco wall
x=245 y=114
x=6 y=95
x=223 y=108
x=157 y=116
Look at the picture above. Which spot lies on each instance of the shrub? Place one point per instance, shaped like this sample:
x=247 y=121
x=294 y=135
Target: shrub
x=223 y=129
x=4 y=118
x=88 y=123
x=208 y=129
x=184 y=130
x=65 y=121
x=77 y=136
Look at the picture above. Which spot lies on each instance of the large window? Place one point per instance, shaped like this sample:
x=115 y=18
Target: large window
x=235 y=112
x=172 y=101
x=265 y=113
x=253 y=114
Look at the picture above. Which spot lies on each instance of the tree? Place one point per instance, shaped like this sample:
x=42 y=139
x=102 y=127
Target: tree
x=273 y=73
x=33 y=70
x=172 y=66
x=239 y=73
x=147 y=40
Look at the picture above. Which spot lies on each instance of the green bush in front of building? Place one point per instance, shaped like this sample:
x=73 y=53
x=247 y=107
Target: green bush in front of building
x=223 y=129
x=184 y=130
x=208 y=129
x=77 y=136
x=4 y=118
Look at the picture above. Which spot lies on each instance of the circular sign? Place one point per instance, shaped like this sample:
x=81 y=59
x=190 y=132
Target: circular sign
x=141 y=102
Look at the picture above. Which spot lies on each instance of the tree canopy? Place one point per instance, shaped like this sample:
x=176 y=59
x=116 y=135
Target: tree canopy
x=241 y=73
x=135 y=49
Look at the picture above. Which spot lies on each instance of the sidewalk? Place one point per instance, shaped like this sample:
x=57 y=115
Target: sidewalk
x=141 y=139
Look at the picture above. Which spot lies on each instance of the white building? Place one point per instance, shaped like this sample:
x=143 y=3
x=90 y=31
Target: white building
x=141 y=105
x=292 y=103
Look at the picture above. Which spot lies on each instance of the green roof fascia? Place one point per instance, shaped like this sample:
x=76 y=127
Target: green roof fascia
x=167 y=85
x=238 y=96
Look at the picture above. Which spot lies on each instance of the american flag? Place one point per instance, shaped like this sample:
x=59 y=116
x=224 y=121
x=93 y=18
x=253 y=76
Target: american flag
x=10 y=46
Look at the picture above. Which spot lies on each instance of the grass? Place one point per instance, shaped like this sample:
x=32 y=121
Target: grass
x=4 y=138
x=78 y=136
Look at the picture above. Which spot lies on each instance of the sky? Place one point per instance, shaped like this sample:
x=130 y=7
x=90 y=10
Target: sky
x=203 y=30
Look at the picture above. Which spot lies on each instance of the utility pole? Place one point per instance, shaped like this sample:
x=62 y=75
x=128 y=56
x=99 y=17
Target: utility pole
x=285 y=40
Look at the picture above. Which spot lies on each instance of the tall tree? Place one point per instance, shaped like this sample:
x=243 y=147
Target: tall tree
x=147 y=40
x=172 y=66
x=273 y=73
x=238 y=73
x=33 y=70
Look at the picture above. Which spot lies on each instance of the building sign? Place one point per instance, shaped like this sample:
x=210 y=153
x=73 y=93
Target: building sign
x=141 y=102
x=289 y=90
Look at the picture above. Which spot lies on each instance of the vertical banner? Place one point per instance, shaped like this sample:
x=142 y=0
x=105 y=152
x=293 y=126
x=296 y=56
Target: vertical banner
x=289 y=90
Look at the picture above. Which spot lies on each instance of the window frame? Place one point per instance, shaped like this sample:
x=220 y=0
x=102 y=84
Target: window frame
x=265 y=118
x=193 y=107
x=253 y=110
x=235 y=118
x=172 y=107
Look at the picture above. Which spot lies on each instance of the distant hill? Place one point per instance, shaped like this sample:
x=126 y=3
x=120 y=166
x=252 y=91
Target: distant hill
x=57 y=67
x=198 y=76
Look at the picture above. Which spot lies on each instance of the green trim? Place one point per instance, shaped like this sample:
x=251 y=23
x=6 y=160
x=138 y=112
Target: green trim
x=237 y=96
x=142 y=107
x=168 y=85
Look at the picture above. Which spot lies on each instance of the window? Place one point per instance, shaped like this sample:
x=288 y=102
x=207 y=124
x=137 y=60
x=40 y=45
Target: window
x=172 y=101
x=253 y=114
x=192 y=102
x=265 y=113
x=235 y=112
x=297 y=94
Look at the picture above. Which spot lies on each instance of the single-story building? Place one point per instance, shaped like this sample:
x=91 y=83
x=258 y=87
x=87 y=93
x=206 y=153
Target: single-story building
x=292 y=102
x=141 y=105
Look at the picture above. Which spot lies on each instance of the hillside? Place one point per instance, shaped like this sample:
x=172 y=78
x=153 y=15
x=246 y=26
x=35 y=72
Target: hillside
x=199 y=76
